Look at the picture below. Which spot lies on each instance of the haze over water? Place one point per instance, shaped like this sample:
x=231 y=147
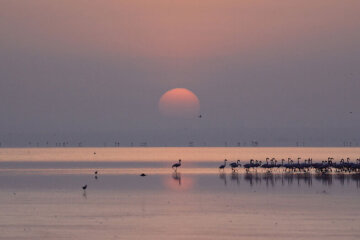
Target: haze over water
x=41 y=195
x=179 y=79
x=279 y=72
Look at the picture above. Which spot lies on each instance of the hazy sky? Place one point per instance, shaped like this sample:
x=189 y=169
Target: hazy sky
x=275 y=71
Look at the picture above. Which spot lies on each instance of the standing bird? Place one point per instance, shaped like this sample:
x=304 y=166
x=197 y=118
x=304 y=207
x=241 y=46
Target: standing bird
x=176 y=165
x=84 y=187
x=223 y=165
x=249 y=165
x=234 y=165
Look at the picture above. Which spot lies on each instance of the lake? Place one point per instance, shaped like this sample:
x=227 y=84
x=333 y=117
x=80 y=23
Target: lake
x=41 y=195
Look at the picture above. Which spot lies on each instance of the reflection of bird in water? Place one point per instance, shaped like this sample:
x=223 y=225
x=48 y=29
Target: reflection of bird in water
x=324 y=178
x=356 y=178
x=96 y=177
x=223 y=165
x=200 y=116
x=249 y=177
x=223 y=177
x=84 y=193
x=177 y=176
x=235 y=177
x=302 y=179
x=176 y=165
x=269 y=179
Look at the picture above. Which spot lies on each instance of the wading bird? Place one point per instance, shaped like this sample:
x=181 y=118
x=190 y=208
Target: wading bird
x=176 y=165
x=223 y=165
x=234 y=165
x=249 y=165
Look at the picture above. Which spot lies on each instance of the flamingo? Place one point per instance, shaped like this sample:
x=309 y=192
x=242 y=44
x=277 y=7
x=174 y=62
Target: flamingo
x=357 y=164
x=273 y=163
x=289 y=165
x=257 y=164
x=223 y=165
x=176 y=165
x=282 y=163
x=297 y=165
x=266 y=165
x=234 y=165
x=249 y=165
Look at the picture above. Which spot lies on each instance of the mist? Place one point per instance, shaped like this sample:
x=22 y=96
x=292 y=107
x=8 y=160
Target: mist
x=92 y=73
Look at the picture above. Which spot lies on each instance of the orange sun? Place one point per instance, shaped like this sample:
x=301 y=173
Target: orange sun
x=179 y=102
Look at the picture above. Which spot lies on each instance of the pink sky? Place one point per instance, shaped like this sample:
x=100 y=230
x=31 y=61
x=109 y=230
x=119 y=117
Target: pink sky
x=176 y=29
x=260 y=68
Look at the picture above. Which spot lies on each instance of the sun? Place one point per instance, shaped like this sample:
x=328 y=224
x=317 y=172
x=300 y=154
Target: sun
x=179 y=103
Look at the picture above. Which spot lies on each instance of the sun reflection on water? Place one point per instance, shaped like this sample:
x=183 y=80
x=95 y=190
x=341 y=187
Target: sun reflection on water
x=179 y=182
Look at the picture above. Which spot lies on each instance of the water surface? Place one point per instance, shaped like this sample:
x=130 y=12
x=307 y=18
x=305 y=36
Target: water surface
x=41 y=195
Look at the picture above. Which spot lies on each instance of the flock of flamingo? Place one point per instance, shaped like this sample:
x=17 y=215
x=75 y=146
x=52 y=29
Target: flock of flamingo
x=270 y=165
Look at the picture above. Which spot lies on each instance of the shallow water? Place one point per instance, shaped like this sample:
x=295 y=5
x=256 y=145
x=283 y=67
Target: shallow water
x=41 y=195
x=192 y=154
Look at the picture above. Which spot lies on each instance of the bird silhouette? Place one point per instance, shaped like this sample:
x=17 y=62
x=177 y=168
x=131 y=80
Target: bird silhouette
x=176 y=165
x=222 y=166
x=84 y=187
x=234 y=165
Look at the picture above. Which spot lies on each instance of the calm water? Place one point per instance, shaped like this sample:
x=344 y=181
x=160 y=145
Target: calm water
x=41 y=195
